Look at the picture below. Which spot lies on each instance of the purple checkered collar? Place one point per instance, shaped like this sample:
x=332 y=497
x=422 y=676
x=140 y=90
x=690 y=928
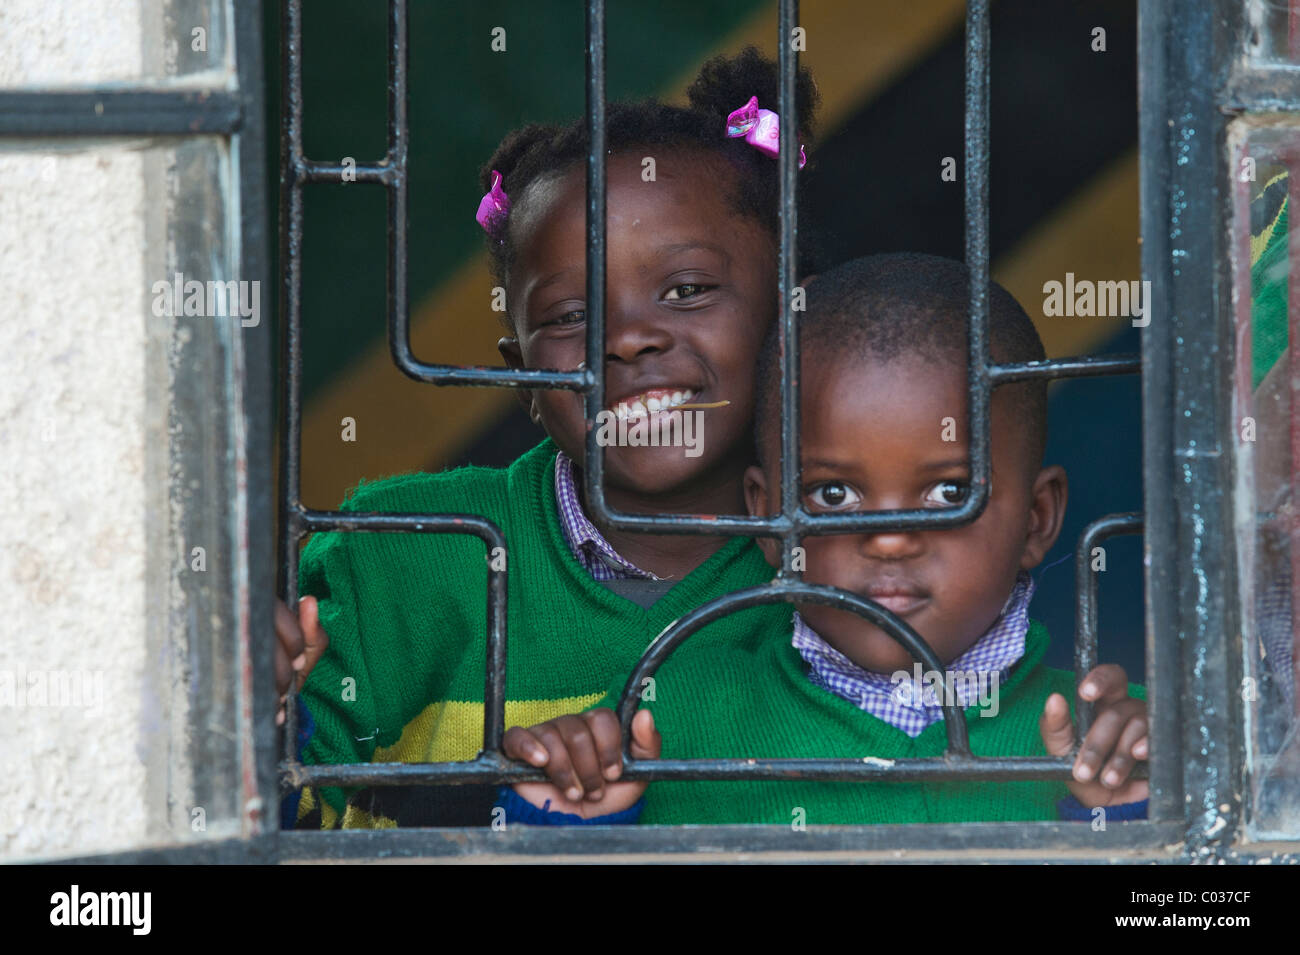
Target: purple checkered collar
x=905 y=703
x=590 y=549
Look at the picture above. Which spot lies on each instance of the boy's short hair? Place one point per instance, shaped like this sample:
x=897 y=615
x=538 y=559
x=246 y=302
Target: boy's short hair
x=881 y=307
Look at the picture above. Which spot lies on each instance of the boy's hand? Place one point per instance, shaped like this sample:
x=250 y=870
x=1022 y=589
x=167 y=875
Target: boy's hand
x=1117 y=739
x=300 y=643
x=581 y=754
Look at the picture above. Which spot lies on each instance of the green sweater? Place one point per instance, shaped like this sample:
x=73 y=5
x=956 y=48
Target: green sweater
x=759 y=703
x=403 y=677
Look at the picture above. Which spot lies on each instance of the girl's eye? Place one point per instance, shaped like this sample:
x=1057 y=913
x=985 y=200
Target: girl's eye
x=570 y=318
x=948 y=493
x=679 y=292
x=832 y=495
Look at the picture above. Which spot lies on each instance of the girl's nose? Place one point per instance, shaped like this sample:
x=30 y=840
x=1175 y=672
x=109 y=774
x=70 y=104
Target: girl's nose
x=632 y=332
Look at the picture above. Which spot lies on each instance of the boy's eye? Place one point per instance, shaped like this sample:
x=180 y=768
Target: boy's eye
x=832 y=495
x=948 y=493
x=679 y=292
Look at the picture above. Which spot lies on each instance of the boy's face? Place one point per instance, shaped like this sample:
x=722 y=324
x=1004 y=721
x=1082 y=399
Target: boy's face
x=873 y=439
x=690 y=291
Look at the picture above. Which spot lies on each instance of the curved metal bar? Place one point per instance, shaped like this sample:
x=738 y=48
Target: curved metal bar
x=494 y=705
x=1085 y=606
x=680 y=630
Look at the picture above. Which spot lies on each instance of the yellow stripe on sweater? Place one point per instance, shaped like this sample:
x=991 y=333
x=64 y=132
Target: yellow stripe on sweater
x=354 y=817
x=453 y=730
x=307 y=802
x=449 y=731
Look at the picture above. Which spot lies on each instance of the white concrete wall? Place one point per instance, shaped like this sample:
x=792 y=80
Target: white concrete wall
x=70 y=42
x=72 y=395
x=82 y=773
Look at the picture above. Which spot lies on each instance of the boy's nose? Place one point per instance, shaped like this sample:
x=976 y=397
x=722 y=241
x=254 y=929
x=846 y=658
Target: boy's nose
x=894 y=545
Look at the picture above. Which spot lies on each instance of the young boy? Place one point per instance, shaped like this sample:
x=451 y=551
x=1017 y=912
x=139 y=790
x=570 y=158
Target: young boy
x=884 y=427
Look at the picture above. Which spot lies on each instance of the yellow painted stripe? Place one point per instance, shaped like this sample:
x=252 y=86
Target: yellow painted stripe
x=1096 y=236
x=854 y=49
x=1258 y=243
x=404 y=425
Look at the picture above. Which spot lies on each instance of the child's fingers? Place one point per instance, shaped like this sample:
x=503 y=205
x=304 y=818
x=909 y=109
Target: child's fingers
x=558 y=767
x=1101 y=739
x=574 y=764
x=519 y=743
x=283 y=670
x=646 y=742
x=315 y=640
x=1122 y=760
x=1107 y=683
x=1054 y=726
x=608 y=735
x=288 y=645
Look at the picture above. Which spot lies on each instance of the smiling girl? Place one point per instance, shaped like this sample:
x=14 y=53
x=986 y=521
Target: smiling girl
x=691 y=288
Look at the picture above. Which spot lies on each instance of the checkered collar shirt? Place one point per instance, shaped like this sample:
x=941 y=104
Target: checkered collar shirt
x=901 y=704
x=909 y=704
x=589 y=546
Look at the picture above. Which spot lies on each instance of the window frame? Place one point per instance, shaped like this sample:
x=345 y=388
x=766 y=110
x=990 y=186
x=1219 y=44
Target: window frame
x=191 y=107
x=1186 y=361
x=1172 y=80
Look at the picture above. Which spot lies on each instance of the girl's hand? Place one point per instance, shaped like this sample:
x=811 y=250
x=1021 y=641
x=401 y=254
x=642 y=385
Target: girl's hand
x=300 y=643
x=581 y=755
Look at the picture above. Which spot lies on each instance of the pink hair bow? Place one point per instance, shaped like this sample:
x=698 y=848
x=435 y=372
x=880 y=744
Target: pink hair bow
x=493 y=208
x=760 y=127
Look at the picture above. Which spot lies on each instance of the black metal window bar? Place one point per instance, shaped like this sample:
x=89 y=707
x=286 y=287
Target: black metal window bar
x=1169 y=69
x=791 y=525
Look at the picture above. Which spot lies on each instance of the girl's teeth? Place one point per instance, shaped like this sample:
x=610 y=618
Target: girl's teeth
x=644 y=406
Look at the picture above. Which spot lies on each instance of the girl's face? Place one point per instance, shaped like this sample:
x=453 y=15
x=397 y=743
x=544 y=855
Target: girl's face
x=690 y=290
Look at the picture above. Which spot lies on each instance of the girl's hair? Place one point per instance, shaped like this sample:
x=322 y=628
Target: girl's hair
x=724 y=84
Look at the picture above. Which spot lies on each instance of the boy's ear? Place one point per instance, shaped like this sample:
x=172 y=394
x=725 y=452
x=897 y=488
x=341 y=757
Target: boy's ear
x=756 y=501
x=1046 y=514
x=514 y=358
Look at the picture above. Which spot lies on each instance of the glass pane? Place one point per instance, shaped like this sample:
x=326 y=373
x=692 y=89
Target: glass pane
x=1267 y=377
x=1273 y=34
x=101 y=43
x=120 y=654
